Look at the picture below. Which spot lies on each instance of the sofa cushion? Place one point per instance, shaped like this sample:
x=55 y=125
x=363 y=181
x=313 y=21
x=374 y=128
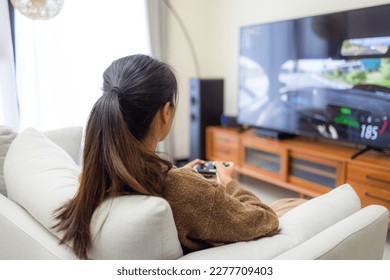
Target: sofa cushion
x=7 y=135
x=319 y=213
x=40 y=177
x=68 y=138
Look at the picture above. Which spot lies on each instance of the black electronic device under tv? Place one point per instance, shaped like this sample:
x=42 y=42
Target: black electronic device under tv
x=325 y=76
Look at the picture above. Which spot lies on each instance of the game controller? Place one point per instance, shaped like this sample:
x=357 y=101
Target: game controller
x=208 y=168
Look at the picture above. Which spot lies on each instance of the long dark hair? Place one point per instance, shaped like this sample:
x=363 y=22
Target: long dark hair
x=114 y=160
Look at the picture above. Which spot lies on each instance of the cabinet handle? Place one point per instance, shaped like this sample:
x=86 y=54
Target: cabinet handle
x=369 y=177
x=376 y=197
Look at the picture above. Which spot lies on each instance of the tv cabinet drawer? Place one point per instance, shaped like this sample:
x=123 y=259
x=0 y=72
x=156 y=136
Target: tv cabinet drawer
x=372 y=177
x=226 y=151
x=222 y=145
x=371 y=195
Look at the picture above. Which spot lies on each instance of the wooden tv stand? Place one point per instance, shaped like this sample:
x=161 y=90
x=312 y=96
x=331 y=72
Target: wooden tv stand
x=303 y=165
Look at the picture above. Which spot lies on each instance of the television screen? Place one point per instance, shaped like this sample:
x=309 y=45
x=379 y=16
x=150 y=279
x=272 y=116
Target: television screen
x=323 y=76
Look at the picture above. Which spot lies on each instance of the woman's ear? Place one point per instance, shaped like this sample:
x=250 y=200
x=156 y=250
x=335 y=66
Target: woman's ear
x=166 y=113
x=165 y=120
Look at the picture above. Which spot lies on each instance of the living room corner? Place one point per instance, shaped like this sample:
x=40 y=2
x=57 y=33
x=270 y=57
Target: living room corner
x=291 y=99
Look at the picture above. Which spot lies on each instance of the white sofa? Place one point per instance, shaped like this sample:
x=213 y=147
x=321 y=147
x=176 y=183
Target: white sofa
x=41 y=172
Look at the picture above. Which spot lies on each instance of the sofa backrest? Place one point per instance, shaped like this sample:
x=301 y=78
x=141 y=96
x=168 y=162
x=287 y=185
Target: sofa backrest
x=7 y=135
x=40 y=176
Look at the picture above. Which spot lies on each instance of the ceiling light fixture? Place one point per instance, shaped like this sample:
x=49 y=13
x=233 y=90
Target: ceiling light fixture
x=38 y=9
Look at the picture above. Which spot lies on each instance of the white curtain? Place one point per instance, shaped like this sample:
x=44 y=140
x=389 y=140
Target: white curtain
x=60 y=62
x=8 y=97
x=157 y=20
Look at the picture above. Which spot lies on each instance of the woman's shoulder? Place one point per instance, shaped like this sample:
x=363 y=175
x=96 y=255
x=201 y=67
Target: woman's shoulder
x=184 y=173
x=186 y=177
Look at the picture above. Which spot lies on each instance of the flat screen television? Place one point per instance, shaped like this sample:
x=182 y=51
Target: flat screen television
x=325 y=76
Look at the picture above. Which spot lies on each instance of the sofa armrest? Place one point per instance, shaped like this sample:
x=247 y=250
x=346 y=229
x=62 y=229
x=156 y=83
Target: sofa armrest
x=359 y=236
x=22 y=237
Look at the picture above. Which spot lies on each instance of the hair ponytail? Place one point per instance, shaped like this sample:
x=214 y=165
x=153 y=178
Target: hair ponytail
x=114 y=160
x=123 y=157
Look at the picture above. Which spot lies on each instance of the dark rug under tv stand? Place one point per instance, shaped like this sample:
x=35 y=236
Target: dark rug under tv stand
x=308 y=166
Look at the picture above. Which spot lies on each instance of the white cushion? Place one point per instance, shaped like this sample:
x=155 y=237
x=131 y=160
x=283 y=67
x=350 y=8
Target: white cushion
x=40 y=177
x=296 y=226
x=319 y=213
x=68 y=138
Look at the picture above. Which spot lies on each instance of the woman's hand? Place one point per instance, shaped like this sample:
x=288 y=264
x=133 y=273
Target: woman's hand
x=191 y=164
x=226 y=172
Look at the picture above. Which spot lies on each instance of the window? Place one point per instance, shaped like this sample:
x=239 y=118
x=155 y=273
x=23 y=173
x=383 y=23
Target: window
x=60 y=62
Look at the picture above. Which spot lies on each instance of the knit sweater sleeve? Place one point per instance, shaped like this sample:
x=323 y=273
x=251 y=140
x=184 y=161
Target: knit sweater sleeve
x=208 y=214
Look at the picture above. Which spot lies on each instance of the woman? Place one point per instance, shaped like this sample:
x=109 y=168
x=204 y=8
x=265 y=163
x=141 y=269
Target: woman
x=134 y=113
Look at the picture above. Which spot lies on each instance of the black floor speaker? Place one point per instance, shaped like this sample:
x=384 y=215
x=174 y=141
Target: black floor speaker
x=206 y=108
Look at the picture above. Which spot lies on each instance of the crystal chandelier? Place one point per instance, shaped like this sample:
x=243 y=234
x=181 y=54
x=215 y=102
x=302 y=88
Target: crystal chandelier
x=38 y=9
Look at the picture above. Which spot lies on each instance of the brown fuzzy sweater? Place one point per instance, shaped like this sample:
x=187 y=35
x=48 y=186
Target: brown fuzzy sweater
x=207 y=214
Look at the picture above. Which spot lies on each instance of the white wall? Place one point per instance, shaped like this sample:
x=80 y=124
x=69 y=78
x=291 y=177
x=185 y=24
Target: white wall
x=214 y=28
